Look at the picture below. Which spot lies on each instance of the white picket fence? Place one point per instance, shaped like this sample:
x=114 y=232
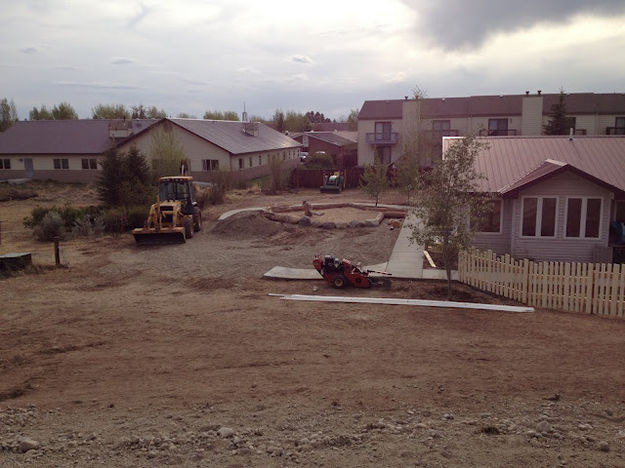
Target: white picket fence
x=577 y=287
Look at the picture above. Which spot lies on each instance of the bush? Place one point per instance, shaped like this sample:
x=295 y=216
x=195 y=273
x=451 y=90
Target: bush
x=51 y=226
x=115 y=220
x=68 y=214
x=319 y=160
x=136 y=216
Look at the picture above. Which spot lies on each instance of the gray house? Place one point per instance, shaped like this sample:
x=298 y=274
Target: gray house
x=553 y=198
x=69 y=150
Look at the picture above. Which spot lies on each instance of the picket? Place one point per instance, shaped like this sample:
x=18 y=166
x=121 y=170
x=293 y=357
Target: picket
x=575 y=287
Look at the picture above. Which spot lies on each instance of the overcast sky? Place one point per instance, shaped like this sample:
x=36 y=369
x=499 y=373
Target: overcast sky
x=329 y=56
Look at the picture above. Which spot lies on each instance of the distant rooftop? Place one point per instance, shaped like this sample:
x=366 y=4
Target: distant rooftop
x=576 y=103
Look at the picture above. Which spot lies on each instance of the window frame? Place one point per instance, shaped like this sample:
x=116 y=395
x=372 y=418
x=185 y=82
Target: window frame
x=5 y=163
x=385 y=134
x=210 y=165
x=63 y=164
x=494 y=233
x=583 y=217
x=89 y=164
x=539 y=217
x=436 y=123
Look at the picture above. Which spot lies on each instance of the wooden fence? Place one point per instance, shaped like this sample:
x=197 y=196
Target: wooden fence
x=576 y=287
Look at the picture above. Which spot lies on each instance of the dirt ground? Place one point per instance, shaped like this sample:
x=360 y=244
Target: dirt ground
x=177 y=355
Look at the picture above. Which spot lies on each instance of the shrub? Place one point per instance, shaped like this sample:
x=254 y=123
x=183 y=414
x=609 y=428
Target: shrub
x=51 y=226
x=68 y=214
x=115 y=220
x=82 y=226
x=319 y=160
x=136 y=216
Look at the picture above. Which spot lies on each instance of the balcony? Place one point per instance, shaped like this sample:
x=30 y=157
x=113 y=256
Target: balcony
x=497 y=132
x=615 y=130
x=382 y=138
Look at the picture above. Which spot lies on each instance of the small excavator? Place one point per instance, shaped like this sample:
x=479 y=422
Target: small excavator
x=174 y=217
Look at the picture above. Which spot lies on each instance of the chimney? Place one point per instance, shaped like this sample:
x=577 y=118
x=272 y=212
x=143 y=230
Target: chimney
x=540 y=92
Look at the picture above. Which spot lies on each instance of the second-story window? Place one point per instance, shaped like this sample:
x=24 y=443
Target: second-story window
x=441 y=125
x=498 y=127
x=382 y=131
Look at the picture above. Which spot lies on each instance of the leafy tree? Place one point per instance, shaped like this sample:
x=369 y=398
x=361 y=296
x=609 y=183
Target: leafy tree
x=40 y=114
x=8 y=114
x=352 y=120
x=219 y=115
x=125 y=179
x=374 y=180
x=448 y=196
x=63 y=111
x=559 y=123
x=320 y=160
x=408 y=175
x=296 y=122
x=115 y=111
x=166 y=153
x=184 y=115
x=316 y=117
x=141 y=112
x=278 y=121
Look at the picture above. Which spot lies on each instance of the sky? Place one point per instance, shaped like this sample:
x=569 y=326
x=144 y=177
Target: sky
x=328 y=56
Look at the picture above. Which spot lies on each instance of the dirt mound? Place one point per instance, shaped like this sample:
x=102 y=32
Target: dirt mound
x=247 y=225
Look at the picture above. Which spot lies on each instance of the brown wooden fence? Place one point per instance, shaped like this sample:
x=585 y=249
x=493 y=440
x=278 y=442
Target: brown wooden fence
x=577 y=287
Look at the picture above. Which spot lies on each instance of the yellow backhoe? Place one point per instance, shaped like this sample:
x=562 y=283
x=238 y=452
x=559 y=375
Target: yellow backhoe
x=174 y=217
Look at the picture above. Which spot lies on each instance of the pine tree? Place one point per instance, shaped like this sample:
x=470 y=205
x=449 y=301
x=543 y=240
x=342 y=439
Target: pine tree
x=559 y=123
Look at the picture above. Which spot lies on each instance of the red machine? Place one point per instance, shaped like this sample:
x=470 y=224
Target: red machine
x=341 y=272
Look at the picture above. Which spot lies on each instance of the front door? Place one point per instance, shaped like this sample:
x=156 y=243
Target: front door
x=28 y=167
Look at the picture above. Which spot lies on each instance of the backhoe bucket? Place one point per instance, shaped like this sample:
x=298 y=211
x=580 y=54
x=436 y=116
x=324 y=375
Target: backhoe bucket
x=150 y=236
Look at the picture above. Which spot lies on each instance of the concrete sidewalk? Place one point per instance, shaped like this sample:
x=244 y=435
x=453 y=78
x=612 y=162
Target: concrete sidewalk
x=406 y=260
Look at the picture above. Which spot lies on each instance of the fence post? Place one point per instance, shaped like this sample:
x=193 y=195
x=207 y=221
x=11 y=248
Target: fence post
x=57 y=256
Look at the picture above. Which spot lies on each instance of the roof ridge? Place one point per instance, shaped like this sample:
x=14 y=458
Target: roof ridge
x=535 y=168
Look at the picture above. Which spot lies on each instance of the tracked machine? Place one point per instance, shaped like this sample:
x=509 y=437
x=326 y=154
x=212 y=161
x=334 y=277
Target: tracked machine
x=174 y=217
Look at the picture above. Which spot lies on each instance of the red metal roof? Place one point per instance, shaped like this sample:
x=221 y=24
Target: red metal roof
x=511 y=162
x=506 y=104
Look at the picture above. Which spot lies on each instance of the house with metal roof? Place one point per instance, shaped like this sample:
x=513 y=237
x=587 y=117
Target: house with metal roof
x=245 y=148
x=68 y=150
x=63 y=150
x=390 y=127
x=553 y=198
x=342 y=146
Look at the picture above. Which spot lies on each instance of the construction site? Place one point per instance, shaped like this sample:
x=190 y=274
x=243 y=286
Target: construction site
x=187 y=355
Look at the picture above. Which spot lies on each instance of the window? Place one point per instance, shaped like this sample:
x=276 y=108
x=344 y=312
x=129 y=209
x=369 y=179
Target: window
x=89 y=163
x=240 y=163
x=441 y=125
x=383 y=153
x=619 y=126
x=250 y=161
x=498 y=127
x=490 y=220
x=61 y=163
x=210 y=164
x=284 y=155
x=260 y=160
x=5 y=164
x=382 y=131
x=539 y=217
x=583 y=217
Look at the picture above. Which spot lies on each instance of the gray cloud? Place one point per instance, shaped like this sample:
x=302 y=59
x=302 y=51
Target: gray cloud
x=29 y=50
x=73 y=84
x=301 y=59
x=122 y=61
x=458 y=24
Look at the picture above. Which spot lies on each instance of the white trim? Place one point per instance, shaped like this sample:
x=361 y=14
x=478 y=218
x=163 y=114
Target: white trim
x=539 y=212
x=582 y=220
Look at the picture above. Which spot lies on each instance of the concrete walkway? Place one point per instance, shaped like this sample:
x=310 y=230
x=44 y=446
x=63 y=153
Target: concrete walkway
x=405 y=262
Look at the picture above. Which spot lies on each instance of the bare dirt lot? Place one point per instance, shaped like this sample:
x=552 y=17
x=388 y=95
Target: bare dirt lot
x=177 y=356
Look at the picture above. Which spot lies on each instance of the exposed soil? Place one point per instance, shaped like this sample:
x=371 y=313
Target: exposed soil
x=177 y=355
